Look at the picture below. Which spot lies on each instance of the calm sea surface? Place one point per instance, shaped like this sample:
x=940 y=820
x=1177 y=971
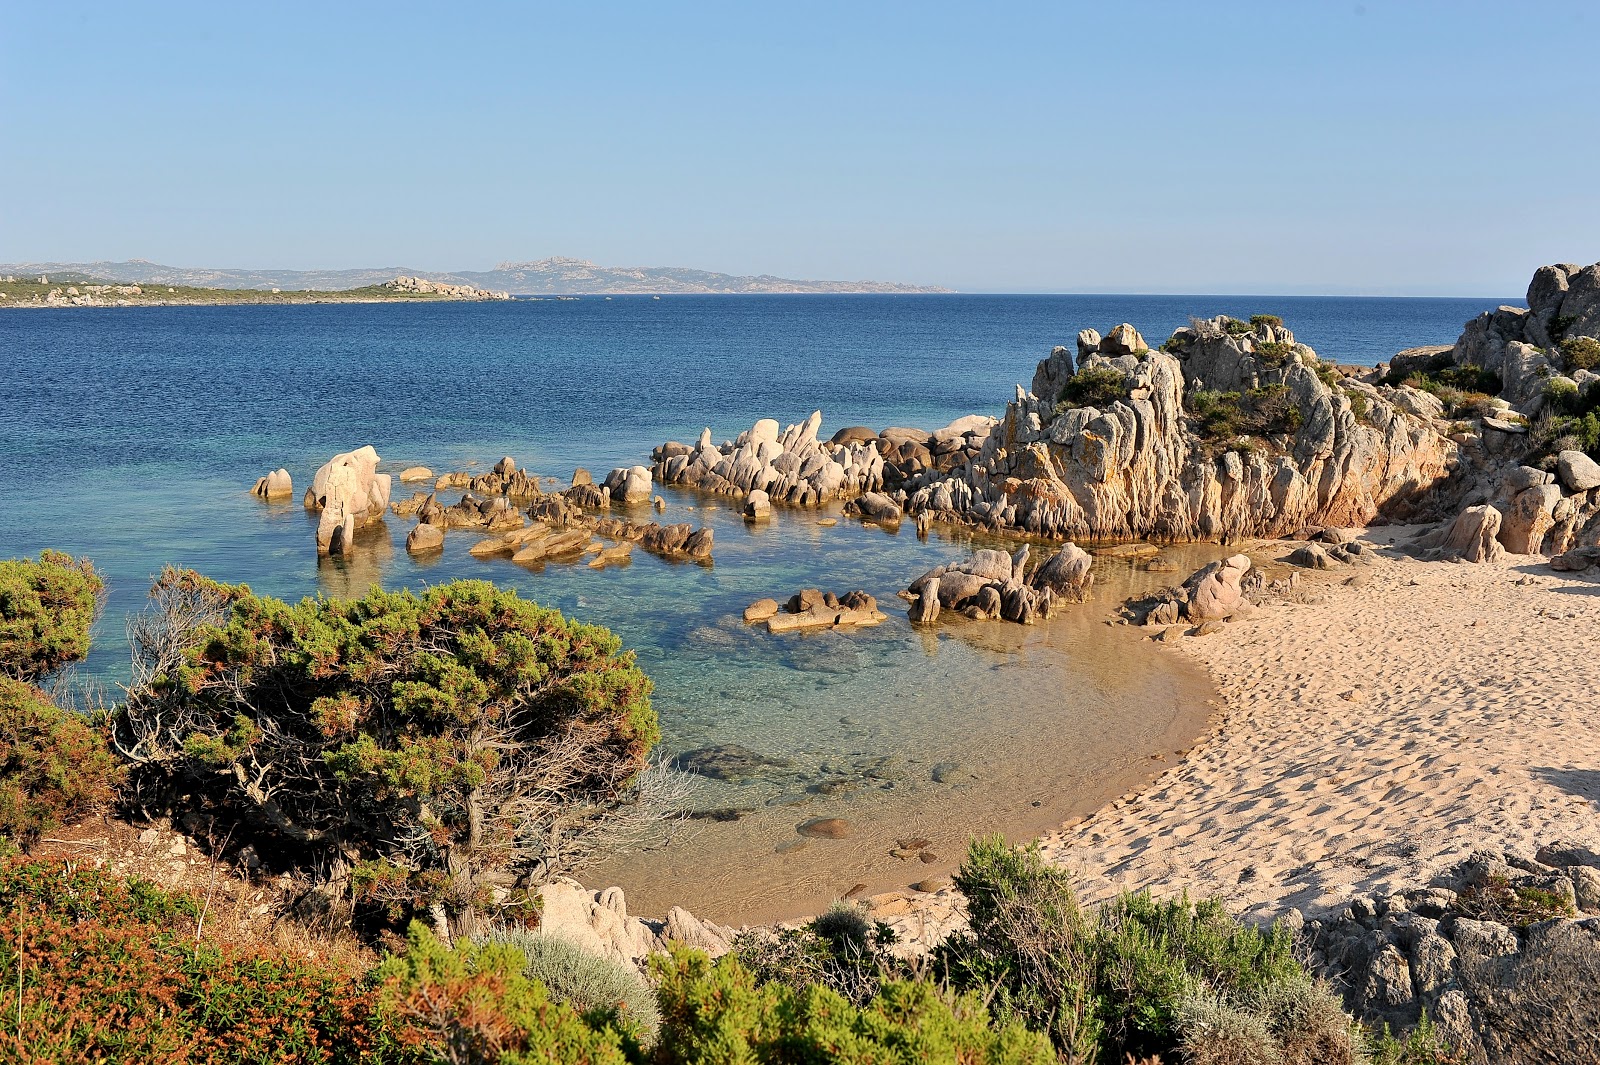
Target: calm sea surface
x=133 y=435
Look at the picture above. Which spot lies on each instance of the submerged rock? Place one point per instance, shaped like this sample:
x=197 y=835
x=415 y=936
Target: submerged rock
x=825 y=828
x=728 y=761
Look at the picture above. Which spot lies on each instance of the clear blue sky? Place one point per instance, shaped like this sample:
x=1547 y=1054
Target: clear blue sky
x=1290 y=146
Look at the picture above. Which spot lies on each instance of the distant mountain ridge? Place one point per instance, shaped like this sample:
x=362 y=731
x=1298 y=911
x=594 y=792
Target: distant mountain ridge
x=556 y=276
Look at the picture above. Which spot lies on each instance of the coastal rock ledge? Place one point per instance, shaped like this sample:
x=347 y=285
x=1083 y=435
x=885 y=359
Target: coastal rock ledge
x=1230 y=430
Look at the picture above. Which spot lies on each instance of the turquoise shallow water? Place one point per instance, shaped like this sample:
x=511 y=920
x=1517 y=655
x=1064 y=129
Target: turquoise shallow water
x=132 y=436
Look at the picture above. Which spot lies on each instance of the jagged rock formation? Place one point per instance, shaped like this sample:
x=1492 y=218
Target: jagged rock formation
x=1525 y=454
x=992 y=584
x=599 y=922
x=790 y=467
x=349 y=493
x=1230 y=430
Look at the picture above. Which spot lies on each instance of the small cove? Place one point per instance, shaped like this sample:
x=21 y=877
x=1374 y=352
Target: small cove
x=132 y=437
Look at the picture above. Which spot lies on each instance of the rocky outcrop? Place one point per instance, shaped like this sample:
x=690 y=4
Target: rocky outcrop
x=1474 y=536
x=629 y=485
x=791 y=466
x=421 y=286
x=274 y=486
x=1231 y=430
x=1502 y=952
x=810 y=608
x=425 y=539
x=1523 y=346
x=1215 y=591
x=598 y=921
x=349 y=493
x=992 y=584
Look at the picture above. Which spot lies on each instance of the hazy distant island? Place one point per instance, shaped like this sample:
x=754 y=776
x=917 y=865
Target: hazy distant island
x=557 y=276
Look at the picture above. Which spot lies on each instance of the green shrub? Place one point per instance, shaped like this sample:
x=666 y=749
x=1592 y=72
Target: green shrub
x=718 y=1012
x=1096 y=386
x=1175 y=343
x=1560 y=324
x=1423 y=1045
x=1274 y=353
x=474 y=1004
x=1216 y=1032
x=418 y=749
x=46 y=609
x=1288 y=1022
x=1562 y=397
x=1458 y=401
x=54 y=768
x=1235 y=328
x=603 y=990
x=1358 y=403
x=1308 y=1022
x=1225 y=416
x=840 y=950
x=1109 y=983
x=1581 y=353
x=1266 y=319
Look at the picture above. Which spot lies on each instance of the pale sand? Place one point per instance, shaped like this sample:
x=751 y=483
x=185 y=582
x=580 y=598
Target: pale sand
x=1369 y=737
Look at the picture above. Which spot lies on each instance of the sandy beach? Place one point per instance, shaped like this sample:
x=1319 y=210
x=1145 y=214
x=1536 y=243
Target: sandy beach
x=1399 y=716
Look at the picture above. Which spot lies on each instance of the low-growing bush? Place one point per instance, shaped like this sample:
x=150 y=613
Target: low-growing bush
x=1096 y=386
x=603 y=990
x=719 y=1012
x=1274 y=353
x=1213 y=1031
x=1358 y=403
x=474 y=1005
x=1422 y=1045
x=1223 y=416
x=1458 y=402
x=104 y=969
x=54 y=767
x=840 y=950
x=1497 y=899
x=1176 y=343
x=47 y=607
x=1235 y=328
x=1109 y=983
x=1581 y=353
x=1266 y=319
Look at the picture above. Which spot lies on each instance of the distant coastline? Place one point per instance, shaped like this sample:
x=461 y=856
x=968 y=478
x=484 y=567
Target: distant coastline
x=76 y=289
x=545 y=277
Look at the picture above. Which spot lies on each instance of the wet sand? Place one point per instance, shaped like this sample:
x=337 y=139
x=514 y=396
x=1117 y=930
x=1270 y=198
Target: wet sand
x=1015 y=729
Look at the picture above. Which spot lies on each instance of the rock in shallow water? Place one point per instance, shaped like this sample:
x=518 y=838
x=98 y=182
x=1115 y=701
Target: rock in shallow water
x=825 y=828
x=728 y=761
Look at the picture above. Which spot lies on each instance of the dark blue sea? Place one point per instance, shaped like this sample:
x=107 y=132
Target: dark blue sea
x=132 y=436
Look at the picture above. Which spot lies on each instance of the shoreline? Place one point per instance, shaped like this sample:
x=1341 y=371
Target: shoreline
x=1399 y=717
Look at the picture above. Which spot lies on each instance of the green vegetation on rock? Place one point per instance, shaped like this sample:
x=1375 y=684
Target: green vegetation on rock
x=1095 y=386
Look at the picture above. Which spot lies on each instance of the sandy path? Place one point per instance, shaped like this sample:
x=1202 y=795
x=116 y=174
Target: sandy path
x=1368 y=737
